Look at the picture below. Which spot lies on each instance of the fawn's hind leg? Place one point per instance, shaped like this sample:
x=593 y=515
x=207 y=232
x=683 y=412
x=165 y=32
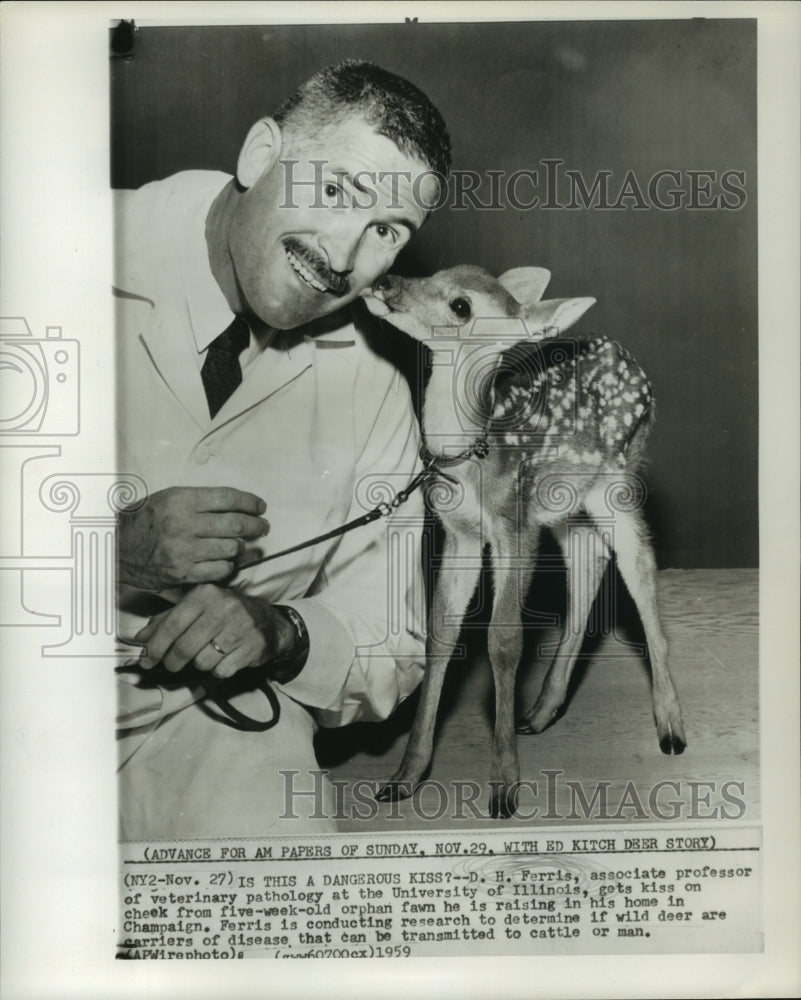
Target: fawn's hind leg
x=586 y=557
x=455 y=586
x=505 y=643
x=637 y=565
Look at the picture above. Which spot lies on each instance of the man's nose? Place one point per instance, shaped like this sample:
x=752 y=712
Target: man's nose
x=341 y=243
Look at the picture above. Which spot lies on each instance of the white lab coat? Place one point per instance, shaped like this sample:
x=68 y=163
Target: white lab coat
x=322 y=428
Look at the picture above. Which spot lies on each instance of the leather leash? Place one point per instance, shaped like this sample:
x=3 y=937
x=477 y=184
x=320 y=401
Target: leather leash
x=433 y=467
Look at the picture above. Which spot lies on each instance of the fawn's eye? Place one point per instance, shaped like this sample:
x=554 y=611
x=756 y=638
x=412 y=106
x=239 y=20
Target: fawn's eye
x=460 y=307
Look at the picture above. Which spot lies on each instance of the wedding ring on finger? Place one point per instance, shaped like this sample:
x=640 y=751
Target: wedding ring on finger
x=219 y=649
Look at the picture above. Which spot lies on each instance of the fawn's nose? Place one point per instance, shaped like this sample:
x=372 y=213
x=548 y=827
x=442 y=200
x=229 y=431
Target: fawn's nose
x=388 y=287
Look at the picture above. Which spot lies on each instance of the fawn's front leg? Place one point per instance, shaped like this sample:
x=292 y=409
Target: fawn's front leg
x=455 y=586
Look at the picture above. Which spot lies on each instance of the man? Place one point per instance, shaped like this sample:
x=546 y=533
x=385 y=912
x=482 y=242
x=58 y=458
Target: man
x=287 y=425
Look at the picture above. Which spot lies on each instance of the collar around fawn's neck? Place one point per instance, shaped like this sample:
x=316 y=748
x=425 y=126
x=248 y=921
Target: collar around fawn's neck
x=478 y=449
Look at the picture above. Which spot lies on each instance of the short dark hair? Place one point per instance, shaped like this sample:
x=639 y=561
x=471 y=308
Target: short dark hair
x=392 y=106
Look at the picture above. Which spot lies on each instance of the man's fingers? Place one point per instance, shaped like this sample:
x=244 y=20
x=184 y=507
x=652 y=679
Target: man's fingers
x=222 y=655
x=176 y=639
x=211 y=626
x=210 y=572
x=217 y=499
x=230 y=665
x=214 y=549
x=144 y=633
x=246 y=654
x=188 y=646
x=232 y=524
x=247 y=651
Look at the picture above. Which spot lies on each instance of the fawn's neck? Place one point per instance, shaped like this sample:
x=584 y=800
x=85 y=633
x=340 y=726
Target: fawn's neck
x=455 y=410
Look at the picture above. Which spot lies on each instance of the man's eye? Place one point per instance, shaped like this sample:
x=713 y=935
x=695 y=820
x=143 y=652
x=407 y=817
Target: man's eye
x=331 y=190
x=385 y=233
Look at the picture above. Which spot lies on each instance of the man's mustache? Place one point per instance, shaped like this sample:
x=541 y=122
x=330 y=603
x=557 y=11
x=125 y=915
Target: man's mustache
x=336 y=282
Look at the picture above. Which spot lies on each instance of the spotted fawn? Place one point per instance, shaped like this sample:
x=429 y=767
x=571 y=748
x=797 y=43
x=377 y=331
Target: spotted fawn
x=525 y=429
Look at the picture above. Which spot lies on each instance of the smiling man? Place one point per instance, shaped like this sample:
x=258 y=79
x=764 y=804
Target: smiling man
x=259 y=414
x=274 y=250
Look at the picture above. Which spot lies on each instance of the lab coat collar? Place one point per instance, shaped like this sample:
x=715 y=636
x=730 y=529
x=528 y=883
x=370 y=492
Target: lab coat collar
x=288 y=355
x=207 y=307
x=176 y=360
x=276 y=366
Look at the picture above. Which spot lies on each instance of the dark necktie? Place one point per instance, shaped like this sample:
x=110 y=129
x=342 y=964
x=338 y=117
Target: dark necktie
x=221 y=373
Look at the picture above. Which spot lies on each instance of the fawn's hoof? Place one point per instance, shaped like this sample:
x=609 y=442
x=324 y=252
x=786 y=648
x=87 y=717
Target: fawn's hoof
x=672 y=744
x=541 y=715
x=534 y=722
x=503 y=802
x=670 y=731
x=395 y=791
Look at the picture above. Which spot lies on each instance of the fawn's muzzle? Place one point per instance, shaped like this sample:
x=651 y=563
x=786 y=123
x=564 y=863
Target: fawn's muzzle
x=382 y=295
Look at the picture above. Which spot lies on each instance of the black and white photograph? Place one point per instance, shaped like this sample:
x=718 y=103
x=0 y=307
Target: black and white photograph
x=616 y=159
x=400 y=449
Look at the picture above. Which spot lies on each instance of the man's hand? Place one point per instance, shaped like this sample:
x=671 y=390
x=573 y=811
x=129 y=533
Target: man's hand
x=187 y=535
x=222 y=630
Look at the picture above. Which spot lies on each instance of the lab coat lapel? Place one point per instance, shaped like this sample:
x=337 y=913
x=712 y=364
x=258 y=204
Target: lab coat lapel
x=273 y=369
x=176 y=360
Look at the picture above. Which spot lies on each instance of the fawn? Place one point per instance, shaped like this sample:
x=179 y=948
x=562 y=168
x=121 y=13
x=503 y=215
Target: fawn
x=530 y=432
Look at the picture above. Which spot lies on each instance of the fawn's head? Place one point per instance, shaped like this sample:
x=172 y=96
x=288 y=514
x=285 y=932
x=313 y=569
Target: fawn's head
x=466 y=302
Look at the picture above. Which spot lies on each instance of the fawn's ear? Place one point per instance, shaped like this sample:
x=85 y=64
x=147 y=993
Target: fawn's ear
x=526 y=284
x=552 y=317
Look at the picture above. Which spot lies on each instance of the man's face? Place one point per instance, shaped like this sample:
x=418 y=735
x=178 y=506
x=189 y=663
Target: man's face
x=307 y=238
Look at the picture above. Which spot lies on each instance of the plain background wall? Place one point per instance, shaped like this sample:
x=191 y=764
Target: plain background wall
x=678 y=288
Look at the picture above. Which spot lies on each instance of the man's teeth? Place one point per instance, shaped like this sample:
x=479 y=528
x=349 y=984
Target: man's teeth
x=305 y=273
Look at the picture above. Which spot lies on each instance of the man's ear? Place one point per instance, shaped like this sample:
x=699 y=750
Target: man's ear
x=259 y=153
